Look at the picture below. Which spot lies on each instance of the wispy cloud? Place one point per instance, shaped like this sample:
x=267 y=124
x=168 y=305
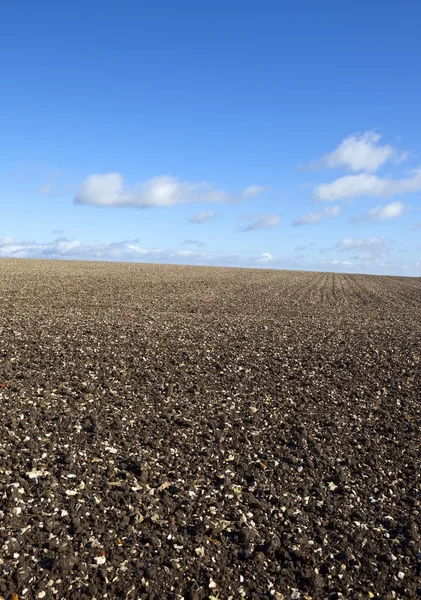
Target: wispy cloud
x=308 y=219
x=313 y=218
x=203 y=216
x=57 y=231
x=193 y=243
x=263 y=222
x=358 y=152
x=364 y=184
x=162 y=191
x=48 y=189
x=336 y=262
x=53 y=189
x=254 y=190
x=366 y=249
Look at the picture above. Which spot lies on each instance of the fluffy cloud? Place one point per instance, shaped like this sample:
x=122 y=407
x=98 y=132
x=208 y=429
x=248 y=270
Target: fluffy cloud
x=366 y=249
x=390 y=211
x=357 y=152
x=130 y=250
x=263 y=222
x=315 y=217
x=364 y=184
x=203 y=216
x=381 y=213
x=109 y=190
x=265 y=258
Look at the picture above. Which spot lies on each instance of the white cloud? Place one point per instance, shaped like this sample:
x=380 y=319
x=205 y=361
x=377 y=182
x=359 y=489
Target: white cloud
x=315 y=217
x=366 y=249
x=264 y=222
x=109 y=190
x=380 y=213
x=390 y=211
x=358 y=152
x=254 y=190
x=342 y=263
x=265 y=258
x=64 y=248
x=203 y=216
x=364 y=184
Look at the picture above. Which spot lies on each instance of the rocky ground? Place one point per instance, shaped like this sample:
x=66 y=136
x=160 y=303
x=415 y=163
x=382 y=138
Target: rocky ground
x=189 y=433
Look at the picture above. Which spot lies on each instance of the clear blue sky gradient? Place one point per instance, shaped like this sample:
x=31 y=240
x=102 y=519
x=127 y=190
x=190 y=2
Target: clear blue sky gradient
x=233 y=93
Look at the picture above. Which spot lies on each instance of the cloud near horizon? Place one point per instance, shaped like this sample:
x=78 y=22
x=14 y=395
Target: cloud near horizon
x=128 y=250
x=265 y=258
x=162 y=191
x=193 y=243
x=370 y=253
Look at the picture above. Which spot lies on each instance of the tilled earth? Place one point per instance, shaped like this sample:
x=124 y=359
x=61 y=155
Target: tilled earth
x=189 y=433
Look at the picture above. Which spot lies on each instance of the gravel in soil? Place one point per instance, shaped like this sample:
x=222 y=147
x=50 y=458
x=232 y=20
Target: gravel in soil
x=191 y=432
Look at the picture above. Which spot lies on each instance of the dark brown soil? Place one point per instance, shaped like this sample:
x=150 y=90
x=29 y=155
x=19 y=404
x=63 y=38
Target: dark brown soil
x=177 y=432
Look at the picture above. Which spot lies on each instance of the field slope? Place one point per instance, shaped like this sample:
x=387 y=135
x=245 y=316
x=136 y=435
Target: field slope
x=191 y=432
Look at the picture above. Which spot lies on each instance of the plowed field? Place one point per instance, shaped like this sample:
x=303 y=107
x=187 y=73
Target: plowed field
x=191 y=432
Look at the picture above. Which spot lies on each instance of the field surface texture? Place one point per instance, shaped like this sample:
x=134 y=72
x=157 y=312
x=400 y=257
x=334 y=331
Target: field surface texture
x=188 y=433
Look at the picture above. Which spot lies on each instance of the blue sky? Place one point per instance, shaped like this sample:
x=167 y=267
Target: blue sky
x=269 y=134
